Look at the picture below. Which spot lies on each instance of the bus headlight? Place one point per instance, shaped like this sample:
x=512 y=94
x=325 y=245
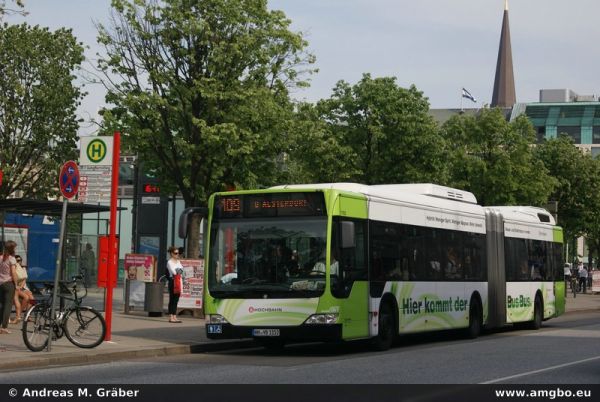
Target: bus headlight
x=217 y=319
x=328 y=318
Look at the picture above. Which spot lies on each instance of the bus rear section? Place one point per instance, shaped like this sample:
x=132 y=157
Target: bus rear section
x=527 y=269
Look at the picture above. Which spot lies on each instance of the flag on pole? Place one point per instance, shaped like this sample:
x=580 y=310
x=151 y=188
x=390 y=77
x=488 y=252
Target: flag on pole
x=467 y=94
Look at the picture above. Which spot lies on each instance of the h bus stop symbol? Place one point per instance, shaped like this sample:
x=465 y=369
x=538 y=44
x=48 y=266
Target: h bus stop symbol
x=96 y=150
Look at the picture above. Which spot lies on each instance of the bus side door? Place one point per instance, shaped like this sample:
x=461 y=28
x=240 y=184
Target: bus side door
x=349 y=285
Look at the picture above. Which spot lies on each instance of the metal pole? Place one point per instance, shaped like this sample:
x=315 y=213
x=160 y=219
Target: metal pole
x=2 y=213
x=63 y=224
x=173 y=220
x=111 y=277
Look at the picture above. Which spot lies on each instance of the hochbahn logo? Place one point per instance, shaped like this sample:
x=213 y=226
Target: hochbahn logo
x=96 y=150
x=252 y=309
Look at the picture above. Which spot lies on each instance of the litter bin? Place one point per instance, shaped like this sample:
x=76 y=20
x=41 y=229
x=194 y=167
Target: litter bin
x=153 y=299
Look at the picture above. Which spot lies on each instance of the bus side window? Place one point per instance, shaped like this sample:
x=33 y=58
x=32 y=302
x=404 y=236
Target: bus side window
x=352 y=260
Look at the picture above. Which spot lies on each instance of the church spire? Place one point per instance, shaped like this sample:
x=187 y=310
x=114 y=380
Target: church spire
x=504 y=83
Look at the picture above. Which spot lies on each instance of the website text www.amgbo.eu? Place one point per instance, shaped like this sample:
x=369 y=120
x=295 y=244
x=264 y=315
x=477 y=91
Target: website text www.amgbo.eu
x=551 y=394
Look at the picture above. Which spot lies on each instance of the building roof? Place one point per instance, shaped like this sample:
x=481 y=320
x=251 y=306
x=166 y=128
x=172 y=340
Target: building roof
x=49 y=208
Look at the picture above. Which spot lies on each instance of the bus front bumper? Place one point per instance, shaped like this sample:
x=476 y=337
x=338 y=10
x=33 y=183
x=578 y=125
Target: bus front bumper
x=331 y=332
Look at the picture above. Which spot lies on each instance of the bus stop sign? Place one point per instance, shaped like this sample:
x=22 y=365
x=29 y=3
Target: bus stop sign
x=68 y=180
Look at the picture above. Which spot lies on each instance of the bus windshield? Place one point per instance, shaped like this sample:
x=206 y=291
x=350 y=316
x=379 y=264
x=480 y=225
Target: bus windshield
x=267 y=258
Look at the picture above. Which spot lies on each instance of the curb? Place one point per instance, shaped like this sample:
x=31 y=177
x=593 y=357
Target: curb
x=73 y=359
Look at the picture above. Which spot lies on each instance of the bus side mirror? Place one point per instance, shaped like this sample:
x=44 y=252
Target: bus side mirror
x=184 y=219
x=347 y=230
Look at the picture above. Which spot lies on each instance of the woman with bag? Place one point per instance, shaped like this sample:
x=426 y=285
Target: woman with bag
x=174 y=271
x=8 y=281
x=23 y=296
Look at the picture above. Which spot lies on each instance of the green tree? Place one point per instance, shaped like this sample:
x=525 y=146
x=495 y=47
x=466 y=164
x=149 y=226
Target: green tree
x=592 y=211
x=316 y=154
x=577 y=189
x=493 y=158
x=200 y=90
x=382 y=132
x=38 y=124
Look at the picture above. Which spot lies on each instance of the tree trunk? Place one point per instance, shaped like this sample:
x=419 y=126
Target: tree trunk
x=194 y=238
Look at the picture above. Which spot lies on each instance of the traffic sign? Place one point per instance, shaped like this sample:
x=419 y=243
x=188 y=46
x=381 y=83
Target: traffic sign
x=68 y=179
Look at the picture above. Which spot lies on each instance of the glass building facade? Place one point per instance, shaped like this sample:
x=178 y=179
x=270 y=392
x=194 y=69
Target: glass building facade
x=579 y=120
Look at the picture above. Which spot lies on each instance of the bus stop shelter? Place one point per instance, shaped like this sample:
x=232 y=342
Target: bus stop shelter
x=44 y=208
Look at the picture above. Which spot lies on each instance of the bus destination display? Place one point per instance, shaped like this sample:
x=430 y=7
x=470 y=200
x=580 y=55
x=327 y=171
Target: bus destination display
x=270 y=205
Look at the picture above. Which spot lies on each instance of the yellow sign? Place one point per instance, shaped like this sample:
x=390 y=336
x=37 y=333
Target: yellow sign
x=96 y=150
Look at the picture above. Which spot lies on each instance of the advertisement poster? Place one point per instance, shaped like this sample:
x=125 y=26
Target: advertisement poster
x=137 y=291
x=18 y=234
x=193 y=284
x=140 y=267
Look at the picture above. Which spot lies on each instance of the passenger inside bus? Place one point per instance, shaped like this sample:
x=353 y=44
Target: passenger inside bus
x=536 y=274
x=524 y=270
x=453 y=266
x=319 y=267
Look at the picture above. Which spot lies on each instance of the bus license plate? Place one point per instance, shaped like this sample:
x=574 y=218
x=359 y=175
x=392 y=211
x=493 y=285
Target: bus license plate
x=215 y=329
x=265 y=332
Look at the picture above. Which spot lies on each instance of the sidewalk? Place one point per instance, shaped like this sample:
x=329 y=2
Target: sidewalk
x=136 y=335
x=133 y=335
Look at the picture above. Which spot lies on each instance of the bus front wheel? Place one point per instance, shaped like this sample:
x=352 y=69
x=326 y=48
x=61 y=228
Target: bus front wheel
x=386 y=324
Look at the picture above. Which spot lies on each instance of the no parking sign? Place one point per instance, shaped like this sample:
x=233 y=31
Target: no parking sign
x=68 y=180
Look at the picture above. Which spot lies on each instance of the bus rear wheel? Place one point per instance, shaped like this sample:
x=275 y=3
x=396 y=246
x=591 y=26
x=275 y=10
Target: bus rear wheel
x=538 y=311
x=475 y=320
x=386 y=324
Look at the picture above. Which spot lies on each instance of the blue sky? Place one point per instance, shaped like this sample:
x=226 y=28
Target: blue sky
x=439 y=46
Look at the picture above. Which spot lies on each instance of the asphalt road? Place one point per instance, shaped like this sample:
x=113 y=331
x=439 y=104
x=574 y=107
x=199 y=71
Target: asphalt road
x=565 y=351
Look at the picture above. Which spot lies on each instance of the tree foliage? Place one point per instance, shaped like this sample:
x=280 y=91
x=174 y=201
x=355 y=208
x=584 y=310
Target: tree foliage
x=200 y=89
x=374 y=132
x=577 y=175
x=592 y=211
x=493 y=158
x=38 y=124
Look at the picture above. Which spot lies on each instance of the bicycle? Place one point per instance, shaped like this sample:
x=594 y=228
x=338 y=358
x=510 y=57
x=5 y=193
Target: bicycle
x=82 y=325
x=574 y=285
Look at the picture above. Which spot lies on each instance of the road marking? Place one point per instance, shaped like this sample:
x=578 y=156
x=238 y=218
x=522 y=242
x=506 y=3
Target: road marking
x=541 y=370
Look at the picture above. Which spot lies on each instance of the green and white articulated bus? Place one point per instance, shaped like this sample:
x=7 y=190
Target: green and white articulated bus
x=344 y=261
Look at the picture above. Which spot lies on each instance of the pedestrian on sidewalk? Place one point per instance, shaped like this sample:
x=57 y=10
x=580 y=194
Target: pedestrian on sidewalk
x=575 y=274
x=173 y=267
x=8 y=282
x=583 y=275
x=567 y=273
x=23 y=296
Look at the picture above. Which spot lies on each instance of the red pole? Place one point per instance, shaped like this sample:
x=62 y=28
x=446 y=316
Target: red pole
x=111 y=278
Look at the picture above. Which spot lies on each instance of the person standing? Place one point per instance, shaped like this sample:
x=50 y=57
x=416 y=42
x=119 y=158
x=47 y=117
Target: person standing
x=23 y=296
x=583 y=275
x=567 y=273
x=8 y=282
x=173 y=267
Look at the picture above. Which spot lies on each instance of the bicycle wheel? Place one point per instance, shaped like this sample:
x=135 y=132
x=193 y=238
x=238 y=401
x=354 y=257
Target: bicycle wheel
x=36 y=327
x=84 y=327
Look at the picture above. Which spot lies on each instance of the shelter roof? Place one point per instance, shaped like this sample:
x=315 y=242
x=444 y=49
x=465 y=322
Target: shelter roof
x=50 y=208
